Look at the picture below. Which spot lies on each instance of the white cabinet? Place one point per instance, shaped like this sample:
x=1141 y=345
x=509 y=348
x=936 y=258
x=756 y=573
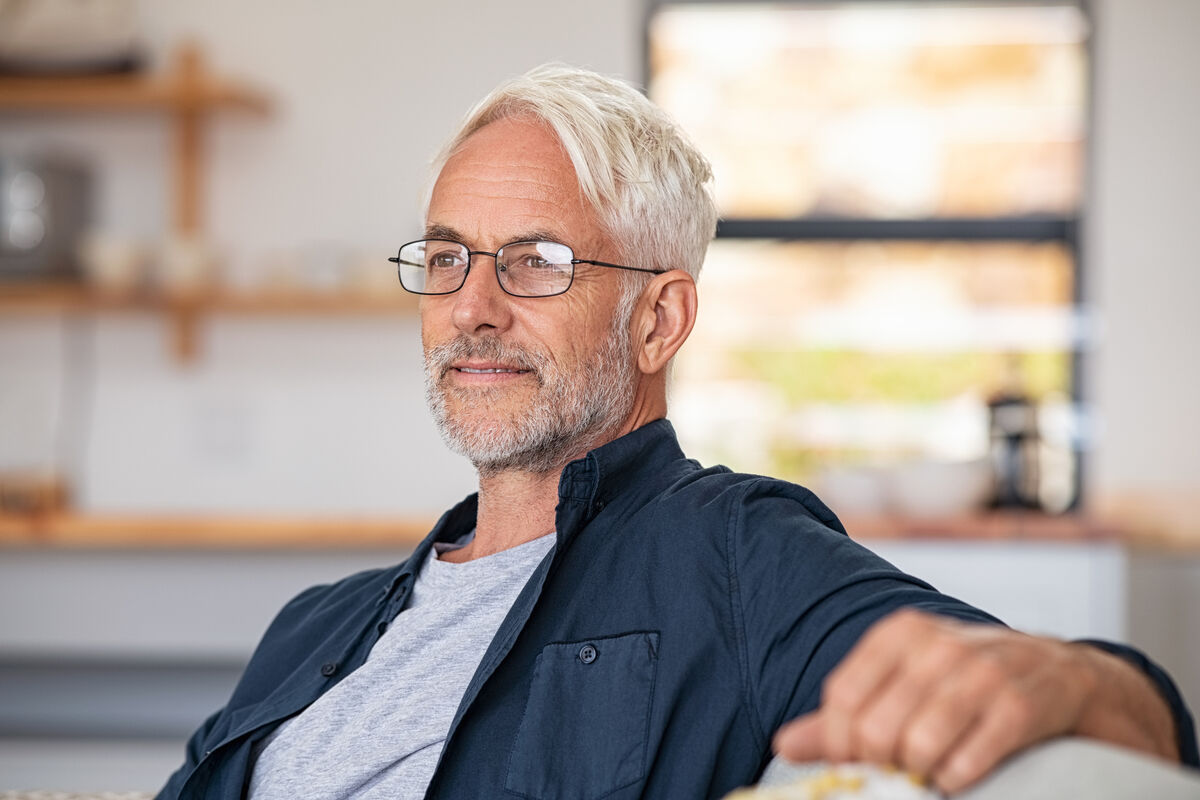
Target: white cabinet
x=1071 y=590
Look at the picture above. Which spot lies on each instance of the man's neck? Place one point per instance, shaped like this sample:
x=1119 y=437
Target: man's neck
x=514 y=508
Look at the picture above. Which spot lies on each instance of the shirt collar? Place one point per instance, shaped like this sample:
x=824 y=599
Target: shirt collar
x=633 y=466
x=625 y=467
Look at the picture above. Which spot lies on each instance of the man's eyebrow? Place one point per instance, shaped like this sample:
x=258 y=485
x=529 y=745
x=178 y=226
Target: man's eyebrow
x=446 y=232
x=442 y=232
x=540 y=236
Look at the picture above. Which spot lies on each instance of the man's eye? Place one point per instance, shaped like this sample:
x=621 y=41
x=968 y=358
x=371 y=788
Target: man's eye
x=442 y=260
x=533 y=262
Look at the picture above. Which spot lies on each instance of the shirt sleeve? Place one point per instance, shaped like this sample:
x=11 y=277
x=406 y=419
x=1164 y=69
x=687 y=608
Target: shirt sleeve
x=804 y=593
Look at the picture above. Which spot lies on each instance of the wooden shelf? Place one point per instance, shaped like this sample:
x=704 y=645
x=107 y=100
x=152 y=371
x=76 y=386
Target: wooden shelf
x=187 y=92
x=185 y=311
x=42 y=297
x=170 y=92
x=127 y=531
x=71 y=530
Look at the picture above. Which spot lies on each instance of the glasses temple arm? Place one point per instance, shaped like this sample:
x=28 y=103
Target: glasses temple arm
x=617 y=266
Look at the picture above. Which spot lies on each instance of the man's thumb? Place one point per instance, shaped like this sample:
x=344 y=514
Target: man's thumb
x=800 y=739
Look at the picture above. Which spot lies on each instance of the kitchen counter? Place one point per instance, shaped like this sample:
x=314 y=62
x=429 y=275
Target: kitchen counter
x=123 y=531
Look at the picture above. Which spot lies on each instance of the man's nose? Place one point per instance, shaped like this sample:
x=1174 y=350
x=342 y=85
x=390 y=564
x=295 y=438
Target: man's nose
x=481 y=303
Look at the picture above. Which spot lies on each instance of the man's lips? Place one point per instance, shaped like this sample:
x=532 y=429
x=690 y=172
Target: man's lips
x=488 y=369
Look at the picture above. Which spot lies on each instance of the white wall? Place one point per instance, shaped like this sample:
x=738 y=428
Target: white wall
x=278 y=414
x=1141 y=245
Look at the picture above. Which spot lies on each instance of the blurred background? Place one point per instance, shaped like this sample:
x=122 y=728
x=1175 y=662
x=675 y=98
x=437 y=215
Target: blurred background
x=952 y=290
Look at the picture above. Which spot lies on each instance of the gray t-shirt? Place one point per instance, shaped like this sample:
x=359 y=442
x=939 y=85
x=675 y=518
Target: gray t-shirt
x=379 y=733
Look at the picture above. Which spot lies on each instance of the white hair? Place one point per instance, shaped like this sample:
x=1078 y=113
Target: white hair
x=647 y=183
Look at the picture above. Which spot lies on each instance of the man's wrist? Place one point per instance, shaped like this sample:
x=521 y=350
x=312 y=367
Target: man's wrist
x=1124 y=705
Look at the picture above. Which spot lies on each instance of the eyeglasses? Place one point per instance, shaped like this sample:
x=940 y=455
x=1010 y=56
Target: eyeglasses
x=524 y=269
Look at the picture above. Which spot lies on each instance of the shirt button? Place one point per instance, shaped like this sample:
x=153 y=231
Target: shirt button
x=328 y=668
x=587 y=654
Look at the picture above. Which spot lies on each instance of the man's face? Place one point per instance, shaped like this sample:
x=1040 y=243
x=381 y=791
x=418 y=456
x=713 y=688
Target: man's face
x=523 y=383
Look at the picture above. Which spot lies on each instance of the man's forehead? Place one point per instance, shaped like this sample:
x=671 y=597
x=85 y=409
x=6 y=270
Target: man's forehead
x=511 y=180
x=474 y=214
x=504 y=146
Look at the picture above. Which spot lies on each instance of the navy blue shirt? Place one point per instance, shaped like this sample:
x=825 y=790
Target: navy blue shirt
x=683 y=616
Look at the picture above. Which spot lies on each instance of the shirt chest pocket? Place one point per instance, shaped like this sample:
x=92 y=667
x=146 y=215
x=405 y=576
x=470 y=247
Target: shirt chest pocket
x=584 y=732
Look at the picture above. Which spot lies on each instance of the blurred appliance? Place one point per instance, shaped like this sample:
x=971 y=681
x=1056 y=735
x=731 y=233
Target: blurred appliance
x=45 y=206
x=63 y=37
x=1015 y=442
x=32 y=493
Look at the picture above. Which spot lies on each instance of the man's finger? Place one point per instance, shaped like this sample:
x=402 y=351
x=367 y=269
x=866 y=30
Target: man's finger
x=878 y=731
x=866 y=672
x=801 y=739
x=937 y=729
x=871 y=662
x=1011 y=722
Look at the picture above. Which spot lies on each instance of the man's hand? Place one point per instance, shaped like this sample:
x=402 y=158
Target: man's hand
x=950 y=700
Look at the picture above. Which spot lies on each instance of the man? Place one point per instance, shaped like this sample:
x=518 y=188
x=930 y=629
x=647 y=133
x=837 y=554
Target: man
x=605 y=618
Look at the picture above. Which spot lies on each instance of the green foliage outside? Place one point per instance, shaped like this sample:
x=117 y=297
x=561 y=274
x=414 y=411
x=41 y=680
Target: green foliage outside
x=848 y=376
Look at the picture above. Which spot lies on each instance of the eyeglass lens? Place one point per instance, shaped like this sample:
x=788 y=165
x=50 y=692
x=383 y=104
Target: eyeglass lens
x=525 y=269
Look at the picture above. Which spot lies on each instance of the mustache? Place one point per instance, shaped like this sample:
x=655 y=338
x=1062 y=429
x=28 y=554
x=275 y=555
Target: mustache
x=439 y=359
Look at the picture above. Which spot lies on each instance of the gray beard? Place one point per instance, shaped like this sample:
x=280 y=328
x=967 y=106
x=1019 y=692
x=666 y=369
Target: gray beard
x=571 y=412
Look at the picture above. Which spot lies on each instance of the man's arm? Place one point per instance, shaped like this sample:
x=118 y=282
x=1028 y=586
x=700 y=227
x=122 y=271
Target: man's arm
x=950 y=700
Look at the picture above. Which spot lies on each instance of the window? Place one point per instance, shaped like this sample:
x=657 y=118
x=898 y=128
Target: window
x=900 y=188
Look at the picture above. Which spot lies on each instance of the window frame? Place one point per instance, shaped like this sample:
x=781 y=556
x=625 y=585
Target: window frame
x=1026 y=229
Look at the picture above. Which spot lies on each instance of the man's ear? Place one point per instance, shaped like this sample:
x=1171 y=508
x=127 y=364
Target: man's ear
x=664 y=319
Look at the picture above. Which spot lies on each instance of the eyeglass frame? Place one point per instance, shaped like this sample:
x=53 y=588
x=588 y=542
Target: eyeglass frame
x=496 y=256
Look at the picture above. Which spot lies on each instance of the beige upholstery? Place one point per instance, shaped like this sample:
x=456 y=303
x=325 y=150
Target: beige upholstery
x=1060 y=769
